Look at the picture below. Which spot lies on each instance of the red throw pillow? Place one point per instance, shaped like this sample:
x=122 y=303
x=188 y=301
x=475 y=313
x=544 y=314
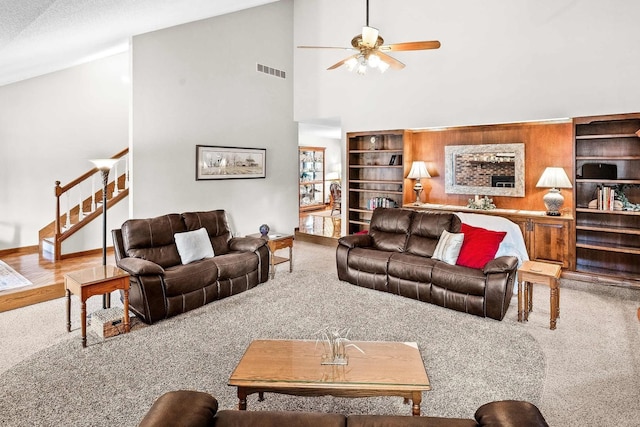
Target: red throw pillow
x=479 y=246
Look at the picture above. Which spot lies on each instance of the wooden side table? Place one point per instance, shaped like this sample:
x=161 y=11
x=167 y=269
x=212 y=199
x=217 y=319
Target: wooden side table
x=95 y=281
x=545 y=274
x=277 y=241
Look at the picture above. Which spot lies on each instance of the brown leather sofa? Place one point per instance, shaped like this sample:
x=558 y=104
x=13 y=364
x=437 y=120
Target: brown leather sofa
x=161 y=286
x=395 y=257
x=187 y=408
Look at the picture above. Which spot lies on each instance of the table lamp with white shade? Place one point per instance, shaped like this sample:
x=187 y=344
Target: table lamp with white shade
x=554 y=178
x=417 y=172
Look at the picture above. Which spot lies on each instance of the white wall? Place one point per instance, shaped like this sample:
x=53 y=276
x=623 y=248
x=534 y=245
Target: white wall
x=197 y=84
x=49 y=127
x=500 y=61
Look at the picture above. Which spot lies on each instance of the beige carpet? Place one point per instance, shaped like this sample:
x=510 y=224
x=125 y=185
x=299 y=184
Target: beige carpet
x=592 y=359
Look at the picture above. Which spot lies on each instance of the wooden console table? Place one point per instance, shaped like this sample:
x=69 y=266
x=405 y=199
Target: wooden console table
x=547 y=238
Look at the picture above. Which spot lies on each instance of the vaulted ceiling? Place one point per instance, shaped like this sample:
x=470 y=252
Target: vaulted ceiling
x=42 y=36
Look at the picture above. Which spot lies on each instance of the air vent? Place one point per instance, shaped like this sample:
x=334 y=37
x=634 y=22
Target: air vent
x=271 y=71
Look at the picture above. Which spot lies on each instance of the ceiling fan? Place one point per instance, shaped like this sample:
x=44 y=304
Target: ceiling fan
x=370 y=50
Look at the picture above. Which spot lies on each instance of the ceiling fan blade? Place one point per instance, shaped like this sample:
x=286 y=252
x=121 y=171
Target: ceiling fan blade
x=324 y=47
x=423 y=45
x=394 y=63
x=337 y=64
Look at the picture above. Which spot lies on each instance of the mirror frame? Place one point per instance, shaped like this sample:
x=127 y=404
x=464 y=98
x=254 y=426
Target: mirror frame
x=450 y=151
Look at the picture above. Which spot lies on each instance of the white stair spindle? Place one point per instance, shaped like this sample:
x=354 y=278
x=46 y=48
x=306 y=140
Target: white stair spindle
x=115 y=185
x=80 y=204
x=126 y=172
x=67 y=224
x=93 y=193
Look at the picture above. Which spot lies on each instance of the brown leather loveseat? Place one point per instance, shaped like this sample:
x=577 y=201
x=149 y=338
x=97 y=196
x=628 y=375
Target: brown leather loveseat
x=162 y=286
x=395 y=256
x=197 y=409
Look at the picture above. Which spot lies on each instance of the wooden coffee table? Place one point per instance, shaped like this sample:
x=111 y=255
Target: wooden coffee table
x=293 y=367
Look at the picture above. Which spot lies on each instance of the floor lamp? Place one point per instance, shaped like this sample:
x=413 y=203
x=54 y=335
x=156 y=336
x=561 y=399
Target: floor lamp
x=104 y=165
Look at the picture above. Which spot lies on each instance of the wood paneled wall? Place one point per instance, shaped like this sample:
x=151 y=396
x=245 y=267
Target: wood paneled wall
x=546 y=144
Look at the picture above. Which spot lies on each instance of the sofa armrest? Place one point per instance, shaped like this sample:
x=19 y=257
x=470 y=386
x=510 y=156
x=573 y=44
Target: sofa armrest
x=182 y=408
x=246 y=244
x=501 y=264
x=355 y=241
x=139 y=266
x=510 y=413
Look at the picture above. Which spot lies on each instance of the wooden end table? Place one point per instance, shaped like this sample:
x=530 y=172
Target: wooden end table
x=294 y=367
x=542 y=273
x=277 y=241
x=95 y=281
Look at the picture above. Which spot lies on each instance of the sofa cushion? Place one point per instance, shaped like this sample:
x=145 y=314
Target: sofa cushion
x=236 y=264
x=389 y=229
x=215 y=222
x=232 y=418
x=448 y=247
x=369 y=260
x=411 y=267
x=193 y=245
x=182 y=279
x=457 y=278
x=152 y=239
x=426 y=228
x=406 y=421
x=479 y=247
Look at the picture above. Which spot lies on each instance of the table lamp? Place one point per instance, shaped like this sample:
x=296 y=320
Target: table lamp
x=417 y=172
x=553 y=178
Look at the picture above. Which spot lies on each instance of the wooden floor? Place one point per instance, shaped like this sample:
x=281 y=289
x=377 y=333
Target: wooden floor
x=47 y=276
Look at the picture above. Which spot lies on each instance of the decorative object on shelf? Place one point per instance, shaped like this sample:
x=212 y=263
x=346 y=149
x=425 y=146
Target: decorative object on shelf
x=264 y=229
x=417 y=172
x=372 y=141
x=624 y=200
x=104 y=166
x=554 y=178
x=481 y=203
x=335 y=342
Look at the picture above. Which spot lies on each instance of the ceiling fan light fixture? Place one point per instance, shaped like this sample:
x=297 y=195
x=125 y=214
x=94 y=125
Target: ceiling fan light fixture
x=351 y=64
x=369 y=36
x=374 y=60
x=383 y=66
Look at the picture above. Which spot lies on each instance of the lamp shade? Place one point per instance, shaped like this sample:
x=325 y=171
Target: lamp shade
x=418 y=171
x=104 y=164
x=554 y=177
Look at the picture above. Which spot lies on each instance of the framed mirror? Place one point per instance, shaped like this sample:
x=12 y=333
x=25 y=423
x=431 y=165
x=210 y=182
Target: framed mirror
x=485 y=170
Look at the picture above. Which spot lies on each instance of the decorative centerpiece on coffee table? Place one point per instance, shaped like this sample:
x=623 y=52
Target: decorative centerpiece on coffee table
x=335 y=342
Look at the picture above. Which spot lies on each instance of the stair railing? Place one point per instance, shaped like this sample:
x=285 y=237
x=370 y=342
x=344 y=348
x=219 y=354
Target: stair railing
x=82 y=205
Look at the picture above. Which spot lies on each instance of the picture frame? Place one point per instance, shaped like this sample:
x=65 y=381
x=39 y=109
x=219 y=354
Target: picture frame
x=219 y=162
x=392 y=161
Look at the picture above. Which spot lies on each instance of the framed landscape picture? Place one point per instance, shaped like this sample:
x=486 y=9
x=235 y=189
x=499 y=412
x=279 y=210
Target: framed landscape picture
x=215 y=162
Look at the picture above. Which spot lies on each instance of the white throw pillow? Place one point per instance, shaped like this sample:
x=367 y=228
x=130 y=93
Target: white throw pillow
x=193 y=245
x=448 y=247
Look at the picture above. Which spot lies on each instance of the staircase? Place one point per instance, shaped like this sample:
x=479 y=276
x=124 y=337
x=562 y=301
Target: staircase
x=80 y=201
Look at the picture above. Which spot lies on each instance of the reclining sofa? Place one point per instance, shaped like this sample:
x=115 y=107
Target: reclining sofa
x=395 y=256
x=162 y=286
x=197 y=409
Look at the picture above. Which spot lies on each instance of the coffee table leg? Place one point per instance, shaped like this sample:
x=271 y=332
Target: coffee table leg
x=417 y=399
x=83 y=322
x=242 y=399
x=68 y=295
x=291 y=259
